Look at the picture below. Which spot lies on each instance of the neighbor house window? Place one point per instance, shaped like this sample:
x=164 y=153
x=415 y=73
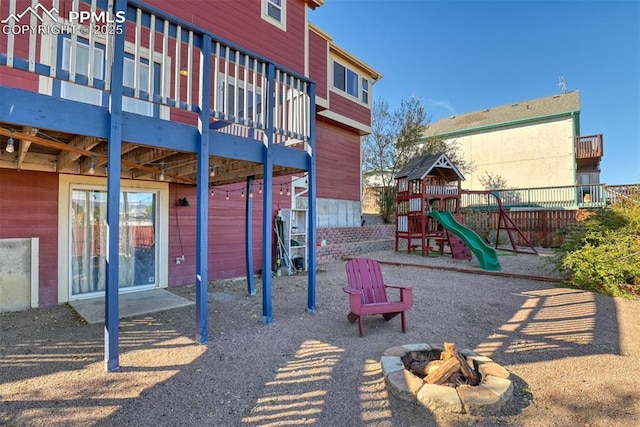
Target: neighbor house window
x=275 y=12
x=349 y=81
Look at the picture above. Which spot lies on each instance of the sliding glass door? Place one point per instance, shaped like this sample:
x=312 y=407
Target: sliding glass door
x=137 y=249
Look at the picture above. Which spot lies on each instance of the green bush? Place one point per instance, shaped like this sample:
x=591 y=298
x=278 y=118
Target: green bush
x=603 y=253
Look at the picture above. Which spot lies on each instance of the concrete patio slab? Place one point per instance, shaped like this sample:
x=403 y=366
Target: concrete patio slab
x=130 y=304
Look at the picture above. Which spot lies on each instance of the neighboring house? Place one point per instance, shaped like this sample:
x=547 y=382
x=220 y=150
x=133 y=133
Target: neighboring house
x=226 y=102
x=535 y=143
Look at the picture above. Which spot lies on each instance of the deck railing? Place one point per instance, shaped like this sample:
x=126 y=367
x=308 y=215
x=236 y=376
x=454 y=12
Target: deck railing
x=163 y=63
x=588 y=147
x=624 y=192
x=571 y=196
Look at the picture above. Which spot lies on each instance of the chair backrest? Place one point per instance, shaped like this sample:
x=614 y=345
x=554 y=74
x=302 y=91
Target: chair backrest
x=364 y=275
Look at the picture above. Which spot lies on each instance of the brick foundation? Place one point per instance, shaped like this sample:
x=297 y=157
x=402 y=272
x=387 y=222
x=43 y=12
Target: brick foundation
x=342 y=242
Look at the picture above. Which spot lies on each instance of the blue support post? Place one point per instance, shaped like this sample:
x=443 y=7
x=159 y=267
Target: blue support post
x=111 y=351
x=202 y=215
x=251 y=285
x=311 y=208
x=267 y=200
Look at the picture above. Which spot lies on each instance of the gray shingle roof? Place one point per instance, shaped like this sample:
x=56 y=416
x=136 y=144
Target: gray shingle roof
x=419 y=167
x=539 y=107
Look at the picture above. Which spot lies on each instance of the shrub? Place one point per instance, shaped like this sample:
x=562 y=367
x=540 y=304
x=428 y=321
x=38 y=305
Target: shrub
x=603 y=253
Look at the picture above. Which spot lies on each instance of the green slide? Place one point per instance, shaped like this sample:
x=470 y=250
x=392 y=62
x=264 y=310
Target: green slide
x=486 y=255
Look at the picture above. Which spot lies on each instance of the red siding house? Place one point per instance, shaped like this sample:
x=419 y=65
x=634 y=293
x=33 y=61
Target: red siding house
x=206 y=112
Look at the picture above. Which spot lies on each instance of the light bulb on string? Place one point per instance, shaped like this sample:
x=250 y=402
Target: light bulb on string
x=92 y=166
x=10 y=146
x=227 y=195
x=281 y=189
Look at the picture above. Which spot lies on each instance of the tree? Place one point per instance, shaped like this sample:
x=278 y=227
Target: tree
x=397 y=137
x=493 y=181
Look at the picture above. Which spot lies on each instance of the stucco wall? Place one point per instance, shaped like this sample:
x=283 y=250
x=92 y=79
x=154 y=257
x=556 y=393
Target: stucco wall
x=535 y=155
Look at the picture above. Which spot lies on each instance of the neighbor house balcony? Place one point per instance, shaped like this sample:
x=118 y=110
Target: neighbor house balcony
x=588 y=151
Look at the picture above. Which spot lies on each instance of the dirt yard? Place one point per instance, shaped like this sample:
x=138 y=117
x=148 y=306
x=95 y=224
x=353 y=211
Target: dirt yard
x=574 y=356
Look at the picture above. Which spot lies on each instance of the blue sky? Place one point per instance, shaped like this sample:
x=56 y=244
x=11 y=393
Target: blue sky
x=462 y=56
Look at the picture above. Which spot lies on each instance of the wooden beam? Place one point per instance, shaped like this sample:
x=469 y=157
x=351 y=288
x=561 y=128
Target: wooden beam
x=62 y=146
x=183 y=164
x=25 y=144
x=86 y=143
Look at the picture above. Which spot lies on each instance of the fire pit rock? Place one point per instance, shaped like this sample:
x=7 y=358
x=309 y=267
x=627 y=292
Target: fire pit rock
x=486 y=398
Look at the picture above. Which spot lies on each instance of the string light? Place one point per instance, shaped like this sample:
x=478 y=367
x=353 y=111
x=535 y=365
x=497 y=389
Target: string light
x=162 y=172
x=10 y=146
x=212 y=172
x=248 y=190
x=92 y=166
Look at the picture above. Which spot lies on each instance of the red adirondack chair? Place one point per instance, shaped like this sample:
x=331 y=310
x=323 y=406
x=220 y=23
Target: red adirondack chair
x=368 y=293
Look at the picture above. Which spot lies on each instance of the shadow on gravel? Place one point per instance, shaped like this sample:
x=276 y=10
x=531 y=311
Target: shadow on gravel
x=301 y=369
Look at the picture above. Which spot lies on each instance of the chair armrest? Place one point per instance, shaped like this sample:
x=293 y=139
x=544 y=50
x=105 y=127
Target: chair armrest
x=406 y=293
x=352 y=291
x=398 y=287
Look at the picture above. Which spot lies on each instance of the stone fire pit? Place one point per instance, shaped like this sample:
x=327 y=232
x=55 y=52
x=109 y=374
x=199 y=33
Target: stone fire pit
x=486 y=398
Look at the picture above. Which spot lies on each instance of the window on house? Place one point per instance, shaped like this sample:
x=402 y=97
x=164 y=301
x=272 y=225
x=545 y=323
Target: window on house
x=365 y=90
x=339 y=77
x=233 y=108
x=81 y=93
x=347 y=80
x=275 y=12
x=134 y=105
x=78 y=92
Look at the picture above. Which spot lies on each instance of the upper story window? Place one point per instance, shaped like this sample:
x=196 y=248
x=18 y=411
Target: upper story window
x=349 y=81
x=98 y=97
x=275 y=12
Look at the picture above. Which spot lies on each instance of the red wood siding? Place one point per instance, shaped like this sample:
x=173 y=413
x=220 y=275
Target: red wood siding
x=318 y=63
x=10 y=77
x=29 y=208
x=18 y=79
x=241 y=23
x=337 y=163
x=346 y=107
x=226 y=232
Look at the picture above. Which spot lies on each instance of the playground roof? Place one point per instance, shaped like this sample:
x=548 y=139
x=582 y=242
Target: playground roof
x=430 y=164
x=507 y=114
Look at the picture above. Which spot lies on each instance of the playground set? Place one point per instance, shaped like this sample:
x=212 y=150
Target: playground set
x=428 y=213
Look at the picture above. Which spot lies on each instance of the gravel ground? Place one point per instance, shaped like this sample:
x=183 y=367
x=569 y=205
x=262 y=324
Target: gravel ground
x=573 y=355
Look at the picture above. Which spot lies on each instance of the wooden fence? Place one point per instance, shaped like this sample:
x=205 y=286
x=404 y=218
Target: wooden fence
x=540 y=227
